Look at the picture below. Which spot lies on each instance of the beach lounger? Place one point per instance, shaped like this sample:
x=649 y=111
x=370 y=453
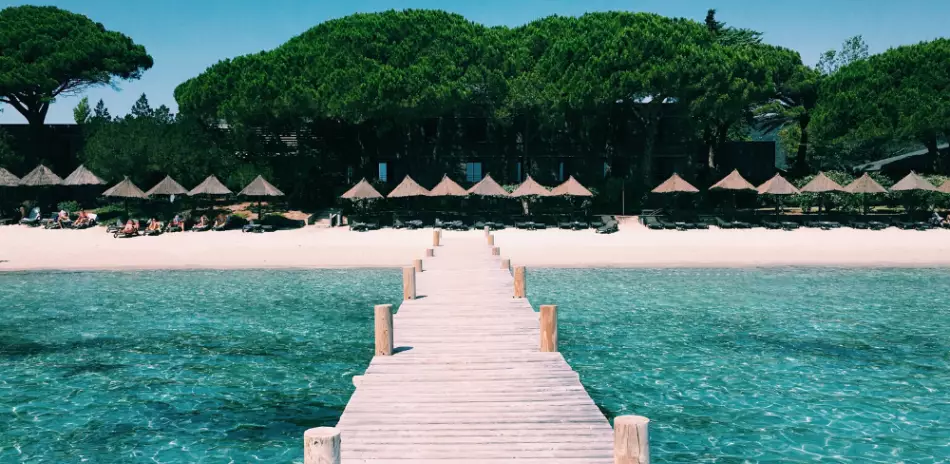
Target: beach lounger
x=610 y=225
x=772 y=225
x=90 y=221
x=876 y=225
x=33 y=219
x=652 y=223
x=256 y=228
x=722 y=224
x=668 y=225
x=200 y=228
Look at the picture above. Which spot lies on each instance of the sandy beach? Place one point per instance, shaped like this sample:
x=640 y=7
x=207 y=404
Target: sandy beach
x=23 y=248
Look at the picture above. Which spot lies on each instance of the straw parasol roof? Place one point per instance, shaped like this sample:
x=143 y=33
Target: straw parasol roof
x=944 y=187
x=261 y=188
x=675 y=184
x=167 y=186
x=125 y=189
x=361 y=191
x=83 y=176
x=913 y=182
x=40 y=176
x=777 y=185
x=531 y=188
x=864 y=184
x=571 y=188
x=487 y=187
x=447 y=188
x=822 y=184
x=408 y=188
x=7 y=179
x=210 y=186
x=734 y=181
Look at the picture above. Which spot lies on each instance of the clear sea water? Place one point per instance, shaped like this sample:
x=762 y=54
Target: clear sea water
x=731 y=366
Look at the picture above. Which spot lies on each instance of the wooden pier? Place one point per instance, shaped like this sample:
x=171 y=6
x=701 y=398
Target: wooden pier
x=465 y=373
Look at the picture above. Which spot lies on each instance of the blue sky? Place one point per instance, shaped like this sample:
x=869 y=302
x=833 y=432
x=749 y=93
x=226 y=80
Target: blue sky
x=187 y=36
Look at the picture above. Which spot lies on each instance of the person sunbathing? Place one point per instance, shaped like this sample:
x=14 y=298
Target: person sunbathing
x=154 y=227
x=219 y=222
x=131 y=227
x=81 y=220
x=176 y=224
x=63 y=219
x=201 y=225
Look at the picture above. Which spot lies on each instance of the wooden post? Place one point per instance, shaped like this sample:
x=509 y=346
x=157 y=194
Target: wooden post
x=487 y=231
x=436 y=235
x=384 y=330
x=417 y=264
x=520 y=287
x=491 y=239
x=495 y=251
x=506 y=264
x=409 y=283
x=548 y=328
x=631 y=440
x=430 y=253
x=321 y=446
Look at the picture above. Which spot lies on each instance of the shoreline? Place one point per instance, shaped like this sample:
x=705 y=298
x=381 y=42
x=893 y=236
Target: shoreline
x=25 y=249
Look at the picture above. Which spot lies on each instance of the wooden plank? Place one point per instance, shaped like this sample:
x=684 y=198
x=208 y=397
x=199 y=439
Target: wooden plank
x=466 y=382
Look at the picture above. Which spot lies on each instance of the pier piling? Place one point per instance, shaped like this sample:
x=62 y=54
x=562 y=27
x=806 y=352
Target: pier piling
x=436 y=236
x=491 y=239
x=417 y=264
x=495 y=251
x=631 y=440
x=321 y=445
x=487 y=231
x=520 y=287
x=384 y=329
x=548 y=328
x=506 y=264
x=409 y=283
x=430 y=253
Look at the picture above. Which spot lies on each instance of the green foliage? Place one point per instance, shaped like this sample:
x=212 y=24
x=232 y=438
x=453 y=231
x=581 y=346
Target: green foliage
x=899 y=95
x=8 y=157
x=82 y=112
x=48 y=52
x=69 y=206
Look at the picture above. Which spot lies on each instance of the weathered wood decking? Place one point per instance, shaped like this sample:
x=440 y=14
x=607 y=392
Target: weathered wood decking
x=468 y=382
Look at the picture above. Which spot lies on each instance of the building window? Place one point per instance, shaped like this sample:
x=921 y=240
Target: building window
x=560 y=171
x=473 y=171
x=383 y=172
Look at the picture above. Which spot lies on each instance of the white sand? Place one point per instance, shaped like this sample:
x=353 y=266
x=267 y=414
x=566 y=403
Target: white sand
x=23 y=248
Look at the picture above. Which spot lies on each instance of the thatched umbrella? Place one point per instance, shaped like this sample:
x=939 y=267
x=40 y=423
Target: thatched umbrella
x=125 y=190
x=447 y=188
x=865 y=186
x=41 y=176
x=912 y=182
x=82 y=176
x=735 y=183
x=675 y=184
x=408 y=188
x=530 y=188
x=211 y=186
x=7 y=179
x=487 y=187
x=571 y=188
x=777 y=186
x=260 y=188
x=167 y=187
x=821 y=185
x=361 y=191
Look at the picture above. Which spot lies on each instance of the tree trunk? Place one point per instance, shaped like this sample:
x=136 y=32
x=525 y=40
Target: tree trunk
x=930 y=141
x=800 y=167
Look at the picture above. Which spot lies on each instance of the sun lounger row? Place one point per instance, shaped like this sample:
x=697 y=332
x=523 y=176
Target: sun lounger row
x=786 y=223
x=458 y=222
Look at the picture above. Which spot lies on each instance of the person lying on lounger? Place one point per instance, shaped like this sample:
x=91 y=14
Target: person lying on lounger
x=154 y=227
x=177 y=224
x=202 y=224
x=219 y=222
x=63 y=219
x=81 y=220
x=131 y=227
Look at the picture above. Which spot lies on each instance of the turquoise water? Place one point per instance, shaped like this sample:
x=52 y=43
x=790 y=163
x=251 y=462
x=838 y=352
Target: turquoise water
x=732 y=366
x=179 y=367
x=781 y=365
